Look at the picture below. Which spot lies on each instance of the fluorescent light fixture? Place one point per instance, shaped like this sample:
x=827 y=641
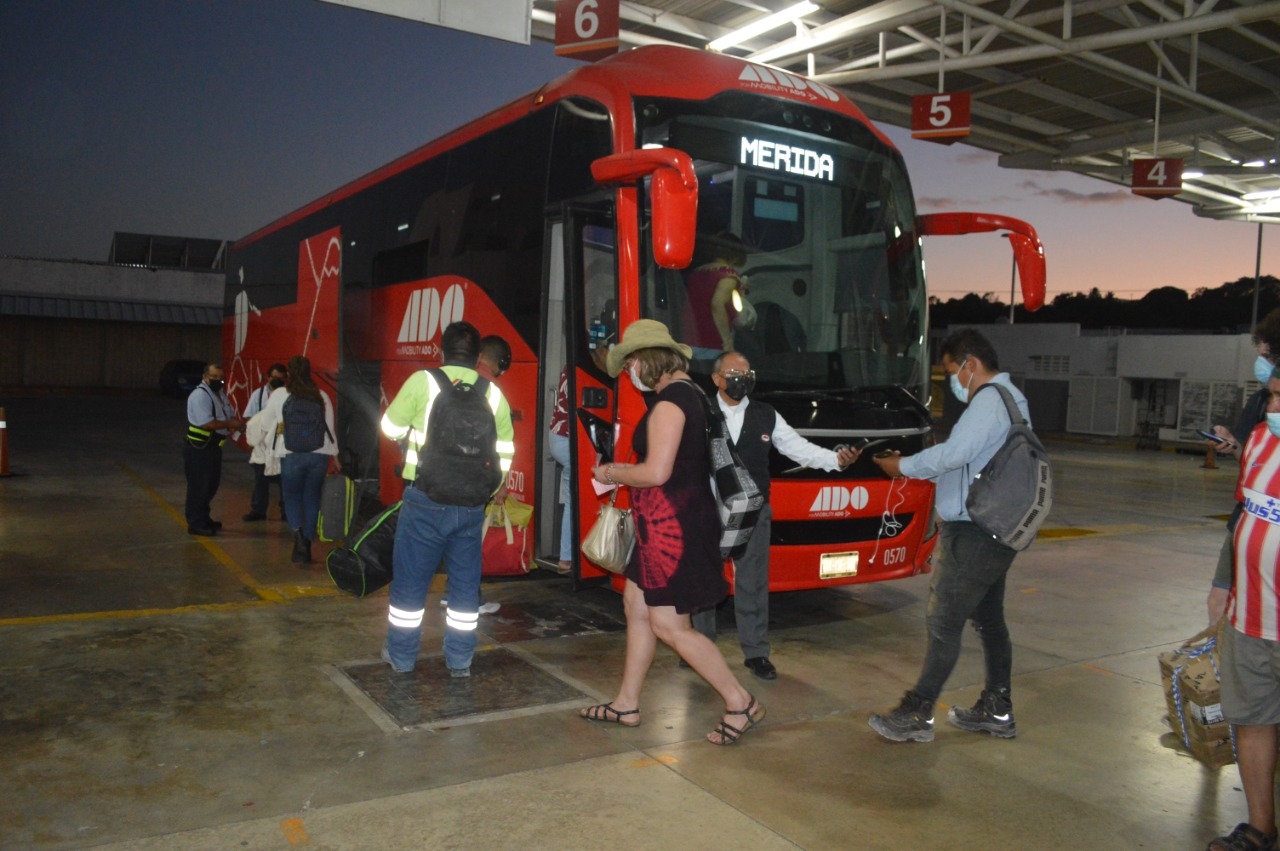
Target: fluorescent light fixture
x=1259 y=196
x=1255 y=164
x=1192 y=175
x=403 y=227
x=764 y=25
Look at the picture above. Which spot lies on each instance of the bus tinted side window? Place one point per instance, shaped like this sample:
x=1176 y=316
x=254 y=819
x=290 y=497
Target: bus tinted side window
x=583 y=134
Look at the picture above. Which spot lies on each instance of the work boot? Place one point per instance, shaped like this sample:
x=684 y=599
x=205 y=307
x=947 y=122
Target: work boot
x=912 y=721
x=301 y=548
x=993 y=713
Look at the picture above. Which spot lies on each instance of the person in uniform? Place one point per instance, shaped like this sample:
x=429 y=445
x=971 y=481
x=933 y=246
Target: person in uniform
x=210 y=419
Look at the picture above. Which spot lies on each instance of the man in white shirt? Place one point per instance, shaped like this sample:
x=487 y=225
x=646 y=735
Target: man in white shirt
x=755 y=427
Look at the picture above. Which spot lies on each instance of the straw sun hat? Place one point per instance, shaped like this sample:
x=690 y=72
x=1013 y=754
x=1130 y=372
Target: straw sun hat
x=642 y=334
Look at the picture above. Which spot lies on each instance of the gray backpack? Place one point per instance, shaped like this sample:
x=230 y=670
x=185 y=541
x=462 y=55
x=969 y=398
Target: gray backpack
x=1011 y=497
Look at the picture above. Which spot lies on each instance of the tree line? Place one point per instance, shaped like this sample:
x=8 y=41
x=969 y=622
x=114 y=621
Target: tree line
x=1222 y=310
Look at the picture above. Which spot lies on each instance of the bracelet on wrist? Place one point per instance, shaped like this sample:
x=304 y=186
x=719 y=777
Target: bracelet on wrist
x=608 y=474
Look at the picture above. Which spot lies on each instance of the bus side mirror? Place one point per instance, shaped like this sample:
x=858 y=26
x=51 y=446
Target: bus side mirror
x=673 y=197
x=1028 y=252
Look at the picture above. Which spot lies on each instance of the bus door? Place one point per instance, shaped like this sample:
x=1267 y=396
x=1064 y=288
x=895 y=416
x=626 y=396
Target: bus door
x=580 y=323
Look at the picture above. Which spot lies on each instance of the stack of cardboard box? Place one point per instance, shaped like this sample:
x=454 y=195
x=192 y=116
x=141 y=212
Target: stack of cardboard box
x=1191 y=692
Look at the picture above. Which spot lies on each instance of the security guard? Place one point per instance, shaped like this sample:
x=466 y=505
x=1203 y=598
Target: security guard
x=210 y=418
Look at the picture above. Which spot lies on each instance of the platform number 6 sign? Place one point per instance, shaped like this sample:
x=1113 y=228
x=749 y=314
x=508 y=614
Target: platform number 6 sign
x=587 y=29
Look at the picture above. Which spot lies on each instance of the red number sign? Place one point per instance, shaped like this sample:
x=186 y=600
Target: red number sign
x=1157 y=177
x=943 y=117
x=587 y=29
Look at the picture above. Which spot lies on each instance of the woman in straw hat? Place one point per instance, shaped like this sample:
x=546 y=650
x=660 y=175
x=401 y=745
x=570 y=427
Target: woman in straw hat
x=676 y=568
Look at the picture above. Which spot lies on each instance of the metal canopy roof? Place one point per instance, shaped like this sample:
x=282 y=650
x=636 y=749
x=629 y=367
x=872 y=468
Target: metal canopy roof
x=1077 y=85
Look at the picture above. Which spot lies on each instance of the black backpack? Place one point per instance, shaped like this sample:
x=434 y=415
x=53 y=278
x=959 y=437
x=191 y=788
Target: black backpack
x=304 y=425
x=459 y=464
x=1011 y=497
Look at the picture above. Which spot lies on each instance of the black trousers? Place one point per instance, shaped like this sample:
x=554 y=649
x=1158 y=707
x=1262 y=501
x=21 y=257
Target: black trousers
x=262 y=490
x=204 y=474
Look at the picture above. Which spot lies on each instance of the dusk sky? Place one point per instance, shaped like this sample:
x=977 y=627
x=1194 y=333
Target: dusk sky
x=210 y=118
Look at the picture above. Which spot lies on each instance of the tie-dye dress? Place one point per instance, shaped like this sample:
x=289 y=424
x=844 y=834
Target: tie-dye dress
x=677 y=557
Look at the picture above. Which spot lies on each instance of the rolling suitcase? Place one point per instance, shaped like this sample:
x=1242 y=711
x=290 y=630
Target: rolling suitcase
x=337 y=507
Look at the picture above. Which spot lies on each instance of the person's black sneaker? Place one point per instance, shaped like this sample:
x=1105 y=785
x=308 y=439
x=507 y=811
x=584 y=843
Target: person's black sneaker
x=217 y=524
x=1245 y=837
x=991 y=714
x=912 y=721
x=762 y=667
x=203 y=531
x=253 y=517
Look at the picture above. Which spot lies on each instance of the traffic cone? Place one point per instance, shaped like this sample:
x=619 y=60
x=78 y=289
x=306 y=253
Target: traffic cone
x=1210 y=463
x=4 y=445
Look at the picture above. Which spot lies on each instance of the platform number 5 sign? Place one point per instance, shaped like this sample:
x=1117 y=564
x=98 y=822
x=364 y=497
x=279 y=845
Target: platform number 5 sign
x=941 y=117
x=587 y=29
x=1157 y=177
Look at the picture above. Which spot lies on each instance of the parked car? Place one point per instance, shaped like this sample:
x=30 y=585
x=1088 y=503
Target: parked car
x=180 y=377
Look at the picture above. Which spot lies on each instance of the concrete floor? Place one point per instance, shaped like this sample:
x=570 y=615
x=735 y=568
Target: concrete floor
x=163 y=691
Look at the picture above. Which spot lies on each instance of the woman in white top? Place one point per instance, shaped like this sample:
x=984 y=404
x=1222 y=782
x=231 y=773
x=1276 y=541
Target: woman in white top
x=302 y=417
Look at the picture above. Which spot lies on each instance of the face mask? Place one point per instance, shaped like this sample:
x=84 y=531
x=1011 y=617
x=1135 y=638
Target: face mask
x=960 y=391
x=1273 y=424
x=737 y=387
x=215 y=384
x=1262 y=370
x=634 y=372
x=275 y=383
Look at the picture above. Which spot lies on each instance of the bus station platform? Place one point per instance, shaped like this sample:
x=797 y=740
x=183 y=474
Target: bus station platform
x=162 y=691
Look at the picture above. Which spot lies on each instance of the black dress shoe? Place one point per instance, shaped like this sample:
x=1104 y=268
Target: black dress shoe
x=762 y=667
x=253 y=517
x=217 y=524
x=205 y=531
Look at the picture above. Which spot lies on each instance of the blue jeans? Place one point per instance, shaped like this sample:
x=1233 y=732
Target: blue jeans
x=968 y=583
x=426 y=534
x=301 y=482
x=559 y=445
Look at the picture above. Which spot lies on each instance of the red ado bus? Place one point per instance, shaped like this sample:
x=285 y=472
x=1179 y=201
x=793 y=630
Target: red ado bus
x=559 y=219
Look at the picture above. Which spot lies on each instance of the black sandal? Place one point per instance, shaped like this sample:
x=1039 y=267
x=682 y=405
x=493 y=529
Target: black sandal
x=728 y=733
x=606 y=714
x=1245 y=837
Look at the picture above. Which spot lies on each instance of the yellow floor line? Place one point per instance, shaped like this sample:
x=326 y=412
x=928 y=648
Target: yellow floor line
x=219 y=554
x=133 y=613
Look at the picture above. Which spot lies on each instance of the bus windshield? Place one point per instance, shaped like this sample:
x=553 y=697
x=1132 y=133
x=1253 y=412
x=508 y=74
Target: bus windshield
x=807 y=258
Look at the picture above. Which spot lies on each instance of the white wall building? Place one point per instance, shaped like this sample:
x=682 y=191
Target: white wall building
x=1121 y=383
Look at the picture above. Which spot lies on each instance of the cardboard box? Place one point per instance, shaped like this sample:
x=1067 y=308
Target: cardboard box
x=1195 y=706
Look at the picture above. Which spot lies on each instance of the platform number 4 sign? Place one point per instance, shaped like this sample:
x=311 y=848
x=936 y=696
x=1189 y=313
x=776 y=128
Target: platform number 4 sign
x=587 y=29
x=1155 y=178
x=941 y=117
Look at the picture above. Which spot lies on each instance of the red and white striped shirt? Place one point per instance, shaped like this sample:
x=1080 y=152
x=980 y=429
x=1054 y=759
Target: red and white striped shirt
x=1256 y=611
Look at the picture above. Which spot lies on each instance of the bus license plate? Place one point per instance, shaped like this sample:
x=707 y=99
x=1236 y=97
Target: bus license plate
x=837 y=565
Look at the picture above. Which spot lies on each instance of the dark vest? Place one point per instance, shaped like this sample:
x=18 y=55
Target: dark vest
x=755 y=440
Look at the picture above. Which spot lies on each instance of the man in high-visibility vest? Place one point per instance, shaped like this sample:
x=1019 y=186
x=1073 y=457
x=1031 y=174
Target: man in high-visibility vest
x=210 y=418
x=441 y=515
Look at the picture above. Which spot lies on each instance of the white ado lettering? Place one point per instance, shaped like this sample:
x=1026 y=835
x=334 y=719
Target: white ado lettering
x=779 y=157
x=428 y=314
x=759 y=76
x=834 y=499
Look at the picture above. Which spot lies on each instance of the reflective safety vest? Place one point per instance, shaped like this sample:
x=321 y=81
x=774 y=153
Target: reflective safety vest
x=203 y=438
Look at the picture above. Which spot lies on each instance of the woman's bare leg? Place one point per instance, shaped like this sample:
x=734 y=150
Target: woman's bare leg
x=676 y=630
x=641 y=645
